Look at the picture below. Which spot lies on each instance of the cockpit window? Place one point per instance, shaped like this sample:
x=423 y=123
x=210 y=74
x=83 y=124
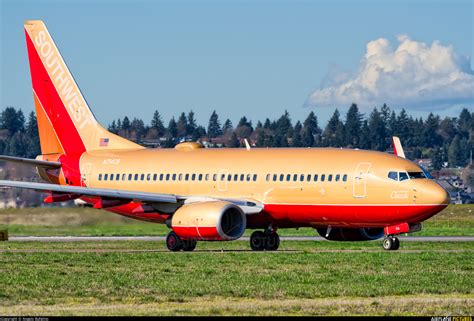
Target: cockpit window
x=393 y=175
x=403 y=176
x=414 y=175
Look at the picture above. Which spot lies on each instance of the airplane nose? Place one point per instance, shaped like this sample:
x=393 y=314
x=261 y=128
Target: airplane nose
x=440 y=195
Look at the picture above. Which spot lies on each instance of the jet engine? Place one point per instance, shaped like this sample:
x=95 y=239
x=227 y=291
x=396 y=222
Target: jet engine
x=210 y=220
x=352 y=234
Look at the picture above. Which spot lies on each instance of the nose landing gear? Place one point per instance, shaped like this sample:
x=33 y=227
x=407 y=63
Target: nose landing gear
x=391 y=243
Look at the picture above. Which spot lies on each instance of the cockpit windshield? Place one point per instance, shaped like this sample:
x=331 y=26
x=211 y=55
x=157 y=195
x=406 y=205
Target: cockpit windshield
x=414 y=175
x=425 y=171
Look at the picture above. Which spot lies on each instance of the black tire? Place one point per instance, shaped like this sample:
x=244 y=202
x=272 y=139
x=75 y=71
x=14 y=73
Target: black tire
x=257 y=241
x=173 y=242
x=272 y=242
x=387 y=243
x=189 y=245
x=396 y=243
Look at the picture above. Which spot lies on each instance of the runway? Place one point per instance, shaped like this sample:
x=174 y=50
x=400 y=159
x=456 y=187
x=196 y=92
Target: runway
x=163 y=238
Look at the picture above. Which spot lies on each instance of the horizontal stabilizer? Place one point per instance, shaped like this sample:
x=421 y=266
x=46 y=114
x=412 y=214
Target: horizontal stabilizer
x=31 y=162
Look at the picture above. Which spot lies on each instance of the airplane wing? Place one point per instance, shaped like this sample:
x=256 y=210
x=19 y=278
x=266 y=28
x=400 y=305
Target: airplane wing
x=247 y=206
x=32 y=162
x=93 y=192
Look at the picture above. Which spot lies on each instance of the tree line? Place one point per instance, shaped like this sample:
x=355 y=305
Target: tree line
x=443 y=140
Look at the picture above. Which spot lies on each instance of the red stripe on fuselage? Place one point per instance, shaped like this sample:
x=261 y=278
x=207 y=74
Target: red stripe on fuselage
x=351 y=215
x=54 y=107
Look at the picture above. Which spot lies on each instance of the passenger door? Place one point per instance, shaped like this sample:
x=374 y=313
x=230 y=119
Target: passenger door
x=360 y=180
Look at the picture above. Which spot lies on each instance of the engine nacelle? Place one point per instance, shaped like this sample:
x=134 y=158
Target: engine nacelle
x=211 y=221
x=352 y=234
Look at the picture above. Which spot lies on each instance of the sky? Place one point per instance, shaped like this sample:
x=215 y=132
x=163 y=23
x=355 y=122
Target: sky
x=254 y=58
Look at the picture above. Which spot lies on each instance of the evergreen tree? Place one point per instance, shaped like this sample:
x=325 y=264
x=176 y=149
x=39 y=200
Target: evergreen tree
x=283 y=124
x=455 y=153
x=465 y=124
x=172 y=128
x=192 y=126
x=430 y=137
x=267 y=124
x=227 y=126
x=353 y=126
x=12 y=120
x=126 y=123
x=113 y=127
x=334 y=132
x=311 y=128
x=377 y=131
x=261 y=138
x=214 y=127
x=297 y=140
x=157 y=124
x=182 y=125
x=32 y=137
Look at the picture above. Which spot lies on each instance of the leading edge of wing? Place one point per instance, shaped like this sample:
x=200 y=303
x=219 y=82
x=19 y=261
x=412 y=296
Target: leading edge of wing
x=94 y=192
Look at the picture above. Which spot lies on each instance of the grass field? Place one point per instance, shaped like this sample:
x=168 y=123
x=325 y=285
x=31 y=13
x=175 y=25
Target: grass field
x=455 y=220
x=303 y=278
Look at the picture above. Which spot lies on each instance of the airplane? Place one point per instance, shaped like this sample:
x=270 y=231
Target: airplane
x=215 y=194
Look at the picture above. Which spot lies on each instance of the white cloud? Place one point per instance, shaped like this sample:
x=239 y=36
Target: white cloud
x=414 y=75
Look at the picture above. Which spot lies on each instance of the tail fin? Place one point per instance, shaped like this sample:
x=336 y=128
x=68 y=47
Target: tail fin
x=66 y=125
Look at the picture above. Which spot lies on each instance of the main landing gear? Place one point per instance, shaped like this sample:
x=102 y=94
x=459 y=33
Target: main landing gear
x=175 y=243
x=391 y=243
x=268 y=241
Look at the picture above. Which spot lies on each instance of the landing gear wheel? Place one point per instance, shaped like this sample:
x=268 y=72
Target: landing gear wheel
x=396 y=243
x=257 y=241
x=173 y=242
x=391 y=243
x=189 y=245
x=272 y=242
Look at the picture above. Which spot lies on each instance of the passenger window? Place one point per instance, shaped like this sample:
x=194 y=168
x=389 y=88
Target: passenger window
x=242 y=176
x=180 y=177
x=222 y=177
x=214 y=177
x=136 y=177
x=155 y=176
x=248 y=177
x=186 y=177
x=403 y=176
x=302 y=177
x=100 y=177
x=268 y=177
x=161 y=177
x=123 y=177
x=111 y=177
x=288 y=177
x=236 y=177
x=393 y=175
x=207 y=177
x=142 y=177
x=167 y=177
x=200 y=177
x=229 y=177
x=295 y=177
x=308 y=178
x=330 y=178
x=275 y=176
x=148 y=177
x=193 y=177
x=344 y=178
x=130 y=177
x=281 y=177
x=174 y=177
x=323 y=177
x=254 y=177
x=337 y=177
x=315 y=177
x=106 y=176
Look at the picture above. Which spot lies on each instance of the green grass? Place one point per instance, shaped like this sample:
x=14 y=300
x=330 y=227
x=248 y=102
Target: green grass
x=303 y=278
x=455 y=220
